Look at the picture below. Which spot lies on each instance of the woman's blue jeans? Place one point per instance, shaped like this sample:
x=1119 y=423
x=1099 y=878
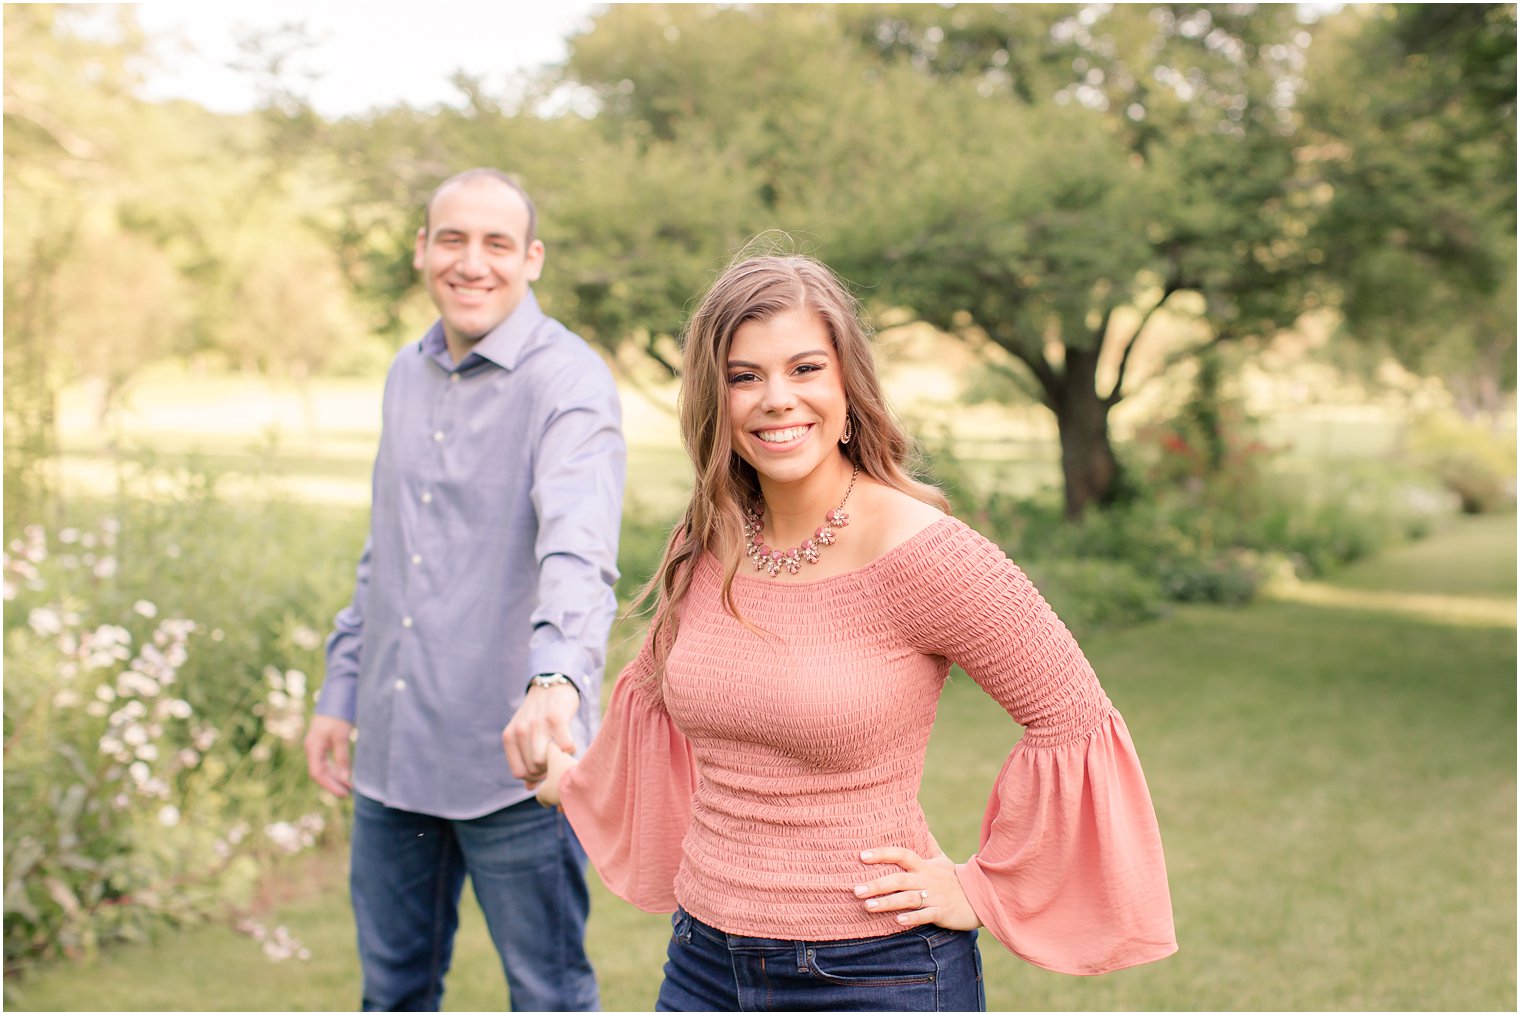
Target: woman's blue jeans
x=923 y=969
x=528 y=872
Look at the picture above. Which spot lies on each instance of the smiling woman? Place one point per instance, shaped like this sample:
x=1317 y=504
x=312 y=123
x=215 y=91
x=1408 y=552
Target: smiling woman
x=758 y=768
x=786 y=405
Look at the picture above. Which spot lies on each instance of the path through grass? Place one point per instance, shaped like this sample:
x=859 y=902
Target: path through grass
x=1335 y=779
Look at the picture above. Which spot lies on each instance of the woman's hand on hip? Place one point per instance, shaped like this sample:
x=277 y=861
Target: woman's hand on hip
x=922 y=892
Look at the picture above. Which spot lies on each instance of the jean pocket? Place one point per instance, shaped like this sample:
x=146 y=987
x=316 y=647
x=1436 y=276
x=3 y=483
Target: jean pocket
x=680 y=927
x=899 y=960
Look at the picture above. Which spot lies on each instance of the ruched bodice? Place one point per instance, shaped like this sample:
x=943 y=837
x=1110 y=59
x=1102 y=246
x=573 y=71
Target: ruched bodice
x=745 y=782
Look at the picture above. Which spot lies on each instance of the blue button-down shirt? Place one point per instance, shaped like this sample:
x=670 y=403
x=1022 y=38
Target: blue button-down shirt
x=492 y=552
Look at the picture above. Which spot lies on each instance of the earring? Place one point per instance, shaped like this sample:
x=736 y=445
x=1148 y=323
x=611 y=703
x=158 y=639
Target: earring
x=849 y=428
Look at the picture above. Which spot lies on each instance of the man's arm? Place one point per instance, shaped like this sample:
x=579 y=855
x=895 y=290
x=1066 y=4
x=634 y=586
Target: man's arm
x=578 y=496
x=331 y=729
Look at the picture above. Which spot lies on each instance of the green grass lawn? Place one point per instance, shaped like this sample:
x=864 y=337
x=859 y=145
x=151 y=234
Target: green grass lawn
x=1335 y=781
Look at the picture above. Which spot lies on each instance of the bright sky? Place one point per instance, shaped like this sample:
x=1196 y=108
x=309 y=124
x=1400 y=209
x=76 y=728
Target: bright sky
x=370 y=54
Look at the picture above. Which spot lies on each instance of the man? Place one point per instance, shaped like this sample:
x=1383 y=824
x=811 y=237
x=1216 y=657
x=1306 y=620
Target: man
x=484 y=591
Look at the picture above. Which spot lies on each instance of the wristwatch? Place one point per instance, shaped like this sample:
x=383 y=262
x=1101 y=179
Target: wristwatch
x=550 y=680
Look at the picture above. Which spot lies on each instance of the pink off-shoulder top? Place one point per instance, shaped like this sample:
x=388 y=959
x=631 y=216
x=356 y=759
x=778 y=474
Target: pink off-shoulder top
x=745 y=784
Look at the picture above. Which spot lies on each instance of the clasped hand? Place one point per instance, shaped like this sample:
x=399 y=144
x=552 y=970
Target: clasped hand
x=923 y=892
x=542 y=722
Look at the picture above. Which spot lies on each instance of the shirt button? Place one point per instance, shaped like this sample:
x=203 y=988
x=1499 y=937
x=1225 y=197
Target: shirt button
x=427 y=497
x=406 y=621
x=437 y=436
x=416 y=558
x=400 y=685
x=453 y=378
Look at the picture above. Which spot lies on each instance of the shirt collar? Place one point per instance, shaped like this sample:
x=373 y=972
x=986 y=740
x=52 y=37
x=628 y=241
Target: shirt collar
x=502 y=345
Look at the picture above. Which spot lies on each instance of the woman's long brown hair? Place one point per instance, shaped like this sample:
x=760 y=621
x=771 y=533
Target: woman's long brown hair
x=757 y=288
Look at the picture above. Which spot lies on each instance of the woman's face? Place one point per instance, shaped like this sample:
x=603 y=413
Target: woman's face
x=786 y=401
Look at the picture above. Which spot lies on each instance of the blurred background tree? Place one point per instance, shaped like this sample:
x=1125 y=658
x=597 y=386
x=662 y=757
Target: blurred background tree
x=1411 y=130
x=1058 y=186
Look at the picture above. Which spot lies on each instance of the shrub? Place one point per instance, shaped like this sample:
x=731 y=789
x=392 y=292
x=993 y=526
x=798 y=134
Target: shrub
x=156 y=692
x=1096 y=595
x=1467 y=458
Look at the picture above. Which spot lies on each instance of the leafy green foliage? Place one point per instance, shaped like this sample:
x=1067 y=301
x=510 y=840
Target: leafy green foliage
x=1411 y=124
x=1468 y=458
x=156 y=692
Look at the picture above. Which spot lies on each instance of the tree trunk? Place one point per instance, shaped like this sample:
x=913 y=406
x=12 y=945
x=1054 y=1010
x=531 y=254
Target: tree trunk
x=1088 y=465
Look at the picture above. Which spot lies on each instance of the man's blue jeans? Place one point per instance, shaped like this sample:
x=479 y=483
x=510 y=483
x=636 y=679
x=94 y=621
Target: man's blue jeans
x=529 y=873
x=923 y=969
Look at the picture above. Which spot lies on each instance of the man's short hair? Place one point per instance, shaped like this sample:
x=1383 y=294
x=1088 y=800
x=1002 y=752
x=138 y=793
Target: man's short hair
x=483 y=172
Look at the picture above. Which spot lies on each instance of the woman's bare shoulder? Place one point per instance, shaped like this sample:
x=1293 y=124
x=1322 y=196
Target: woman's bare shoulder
x=894 y=517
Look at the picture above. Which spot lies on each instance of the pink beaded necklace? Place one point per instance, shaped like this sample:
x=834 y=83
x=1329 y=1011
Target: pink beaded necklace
x=772 y=561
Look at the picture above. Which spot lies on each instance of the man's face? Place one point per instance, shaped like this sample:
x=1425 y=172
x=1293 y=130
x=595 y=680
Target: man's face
x=475 y=258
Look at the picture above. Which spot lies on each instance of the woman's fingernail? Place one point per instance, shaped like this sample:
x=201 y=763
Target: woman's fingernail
x=903 y=918
x=866 y=855
x=871 y=904
x=860 y=889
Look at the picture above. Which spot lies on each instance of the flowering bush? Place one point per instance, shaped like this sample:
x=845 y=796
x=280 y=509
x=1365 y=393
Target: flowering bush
x=1469 y=458
x=147 y=777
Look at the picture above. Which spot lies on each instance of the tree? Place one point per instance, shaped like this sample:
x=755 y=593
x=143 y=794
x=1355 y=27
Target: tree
x=1411 y=122
x=68 y=107
x=629 y=226
x=1015 y=176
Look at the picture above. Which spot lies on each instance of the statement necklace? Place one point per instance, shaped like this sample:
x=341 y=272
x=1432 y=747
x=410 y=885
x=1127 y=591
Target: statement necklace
x=772 y=561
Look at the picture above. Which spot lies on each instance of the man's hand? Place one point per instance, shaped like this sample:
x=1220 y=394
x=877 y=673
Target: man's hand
x=543 y=718
x=327 y=741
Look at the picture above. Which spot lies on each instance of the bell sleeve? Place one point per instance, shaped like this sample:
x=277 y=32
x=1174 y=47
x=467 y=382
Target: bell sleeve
x=629 y=798
x=1070 y=874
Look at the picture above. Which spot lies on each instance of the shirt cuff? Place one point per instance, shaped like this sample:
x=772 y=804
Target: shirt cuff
x=338 y=698
x=564 y=659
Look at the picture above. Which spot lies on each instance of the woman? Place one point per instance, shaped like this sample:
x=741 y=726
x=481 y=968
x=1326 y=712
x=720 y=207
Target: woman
x=758 y=767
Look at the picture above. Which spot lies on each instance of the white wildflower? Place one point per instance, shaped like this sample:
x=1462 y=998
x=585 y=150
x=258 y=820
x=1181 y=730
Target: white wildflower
x=143 y=608
x=44 y=622
x=172 y=708
x=168 y=815
x=284 y=835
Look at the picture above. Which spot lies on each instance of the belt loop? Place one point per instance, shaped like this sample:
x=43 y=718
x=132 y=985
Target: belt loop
x=804 y=953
